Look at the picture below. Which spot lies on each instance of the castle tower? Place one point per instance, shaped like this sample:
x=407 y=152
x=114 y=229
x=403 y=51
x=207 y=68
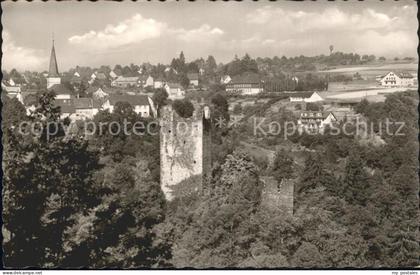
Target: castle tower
x=185 y=145
x=53 y=76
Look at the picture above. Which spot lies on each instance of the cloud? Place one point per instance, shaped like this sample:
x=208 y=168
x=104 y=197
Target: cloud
x=330 y=18
x=203 y=33
x=136 y=29
x=21 y=58
x=132 y=30
x=307 y=32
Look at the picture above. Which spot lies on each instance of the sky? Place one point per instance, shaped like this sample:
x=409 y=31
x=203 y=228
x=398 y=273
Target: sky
x=108 y=33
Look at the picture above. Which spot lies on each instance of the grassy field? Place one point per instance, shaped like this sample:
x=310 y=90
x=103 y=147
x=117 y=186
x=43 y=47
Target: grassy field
x=375 y=68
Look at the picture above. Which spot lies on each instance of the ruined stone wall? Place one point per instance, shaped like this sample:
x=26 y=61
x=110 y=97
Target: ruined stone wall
x=278 y=197
x=184 y=148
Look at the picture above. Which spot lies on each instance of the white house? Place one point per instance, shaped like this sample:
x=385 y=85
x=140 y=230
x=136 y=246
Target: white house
x=225 y=79
x=141 y=104
x=85 y=108
x=146 y=81
x=193 y=77
x=170 y=69
x=402 y=79
x=247 y=84
x=113 y=75
x=61 y=92
x=100 y=94
x=174 y=91
x=305 y=97
x=66 y=107
x=315 y=120
x=123 y=81
x=12 y=91
x=159 y=83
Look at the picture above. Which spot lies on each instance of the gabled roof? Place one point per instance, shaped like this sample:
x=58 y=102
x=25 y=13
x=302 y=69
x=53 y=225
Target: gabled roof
x=86 y=103
x=66 y=106
x=400 y=74
x=192 y=76
x=405 y=75
x=127 y=79
x=300 y=94
x=143 y=77
x=174 y=85
x=101 y=75
x=60 y=89
x=249 y=78
x=134 y=100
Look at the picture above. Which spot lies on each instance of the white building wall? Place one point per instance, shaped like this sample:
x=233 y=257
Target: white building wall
x=51 y=81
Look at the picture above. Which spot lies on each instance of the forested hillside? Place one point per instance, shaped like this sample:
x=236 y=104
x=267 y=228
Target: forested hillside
x=98 y=202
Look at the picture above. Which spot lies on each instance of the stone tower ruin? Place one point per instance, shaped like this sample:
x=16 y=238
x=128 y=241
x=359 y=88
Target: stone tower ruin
x=185 y=145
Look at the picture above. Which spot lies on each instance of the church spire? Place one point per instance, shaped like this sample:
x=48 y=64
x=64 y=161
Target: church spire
x=53 y=71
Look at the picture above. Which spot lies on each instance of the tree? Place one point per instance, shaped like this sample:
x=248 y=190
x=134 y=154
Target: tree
x=313 y=107
x=125 y=222
x=184 y=81
x=237 y=109
x=356 y=186
x=13 y=112
x=160 y=97
x=362 y=107
x=221 y=107
x=47 y=182
x=184 y=108
x=315 y=175
x=211 y=65
x=248 y=64
x=220 y=228
x=307 y=256
x=282 y=166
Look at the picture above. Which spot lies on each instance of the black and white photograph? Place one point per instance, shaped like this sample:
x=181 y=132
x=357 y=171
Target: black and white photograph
x=166 y=135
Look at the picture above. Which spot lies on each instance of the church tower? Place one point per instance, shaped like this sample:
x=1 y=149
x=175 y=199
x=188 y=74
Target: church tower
x=53 y=76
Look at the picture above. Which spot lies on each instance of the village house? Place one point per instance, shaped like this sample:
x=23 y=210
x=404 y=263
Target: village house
x=170 y=70
x=305 y=97
x=174 y=91
x=113 y=75
x=85 y=108
x=146 y=81
x=159 y=83
x=98 y=92
x=124 y=82
x=61 y=91
x=12 y=91
x=248 y=84
x=193 y=77
x=225 y=79
x=142 y=104
x=66 y=107
x=30 y=101
x=17 y=82
x=315 y=120
x=401 y=79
